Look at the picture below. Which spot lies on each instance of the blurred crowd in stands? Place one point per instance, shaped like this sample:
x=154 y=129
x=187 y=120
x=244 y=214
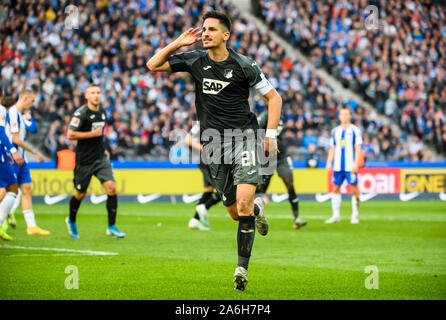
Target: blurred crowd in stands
x=396 y=60
x=401 y=71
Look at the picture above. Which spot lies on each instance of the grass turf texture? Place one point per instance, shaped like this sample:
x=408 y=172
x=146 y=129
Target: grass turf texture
x=162 y=259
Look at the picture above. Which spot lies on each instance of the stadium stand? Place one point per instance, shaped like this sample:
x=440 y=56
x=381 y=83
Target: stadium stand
x=399 y=68
x=114 y=39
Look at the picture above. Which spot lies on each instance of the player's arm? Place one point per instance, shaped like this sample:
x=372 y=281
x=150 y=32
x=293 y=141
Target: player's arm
x=357 y=158
x=357 y=147
x=189 y=140
x=159 y=62
x=330 y=158
x=78 y=135
x=76 y=122
x=18 y=141
x=274 y=106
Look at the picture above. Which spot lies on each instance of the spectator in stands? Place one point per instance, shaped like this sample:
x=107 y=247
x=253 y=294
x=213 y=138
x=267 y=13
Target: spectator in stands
x=312 y=157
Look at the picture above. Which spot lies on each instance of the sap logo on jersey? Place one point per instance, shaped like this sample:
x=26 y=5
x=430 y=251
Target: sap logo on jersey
x=212 y=86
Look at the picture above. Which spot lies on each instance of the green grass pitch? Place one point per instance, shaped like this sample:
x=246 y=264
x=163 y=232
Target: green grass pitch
x=162 y=259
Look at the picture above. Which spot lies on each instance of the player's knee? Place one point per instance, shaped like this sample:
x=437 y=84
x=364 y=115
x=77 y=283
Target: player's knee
x=26 y=189
x=110 y=188
x=80 y=195
x=14 y=188
x=244 y=206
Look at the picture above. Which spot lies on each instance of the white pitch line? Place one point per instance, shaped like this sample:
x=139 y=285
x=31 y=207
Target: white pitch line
x=87 y=252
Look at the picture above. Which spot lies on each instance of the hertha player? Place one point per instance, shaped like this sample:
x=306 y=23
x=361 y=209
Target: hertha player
x=284 y=170
x=223 y=79
x=87 y=127
x=345 y=149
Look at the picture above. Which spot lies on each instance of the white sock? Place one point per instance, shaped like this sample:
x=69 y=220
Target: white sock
x=17 y=201
x=336 y=199
x=6 y=205
x=29 y=218
x=355 y=207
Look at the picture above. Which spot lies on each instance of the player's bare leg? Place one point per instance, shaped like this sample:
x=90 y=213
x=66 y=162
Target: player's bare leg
x=112 y=207
x=5 y=206
x=355 y=204
x=28 y=213
x=336 y=200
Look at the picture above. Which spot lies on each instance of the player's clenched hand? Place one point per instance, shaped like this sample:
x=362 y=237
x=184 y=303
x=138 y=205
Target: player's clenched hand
x=18 y=158
x=271 y=146
x=189 y=37
x=39 y=157
x=96 y=133
x=328 y=167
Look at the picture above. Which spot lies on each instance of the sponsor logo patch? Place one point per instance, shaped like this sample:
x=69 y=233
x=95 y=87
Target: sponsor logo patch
x=212 y=86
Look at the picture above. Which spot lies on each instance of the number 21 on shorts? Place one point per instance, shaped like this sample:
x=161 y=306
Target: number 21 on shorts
x=248 y=158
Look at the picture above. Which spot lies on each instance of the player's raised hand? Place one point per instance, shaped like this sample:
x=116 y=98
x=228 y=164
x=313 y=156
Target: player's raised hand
x=189 y=37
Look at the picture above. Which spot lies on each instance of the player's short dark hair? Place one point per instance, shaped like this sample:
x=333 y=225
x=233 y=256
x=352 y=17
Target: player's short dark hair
x=346 y=107
x=91 y=85
x=8 y=101
x=222 y=18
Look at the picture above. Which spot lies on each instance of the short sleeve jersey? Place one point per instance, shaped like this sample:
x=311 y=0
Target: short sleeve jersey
x=222 y=88
x=84 y=119
x=344 y=141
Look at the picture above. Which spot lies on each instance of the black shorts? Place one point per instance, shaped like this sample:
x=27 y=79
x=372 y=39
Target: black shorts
x=101 y=168
x=207 y=180
x=241 y=167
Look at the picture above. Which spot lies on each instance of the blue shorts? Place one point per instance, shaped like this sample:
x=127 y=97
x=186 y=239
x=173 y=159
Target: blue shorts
x=7 y=175
x=23 y=173
x=340 y=176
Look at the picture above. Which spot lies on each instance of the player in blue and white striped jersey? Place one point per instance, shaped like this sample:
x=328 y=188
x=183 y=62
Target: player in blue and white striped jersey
x=16 y=130
x=8 y=178
x=345 y=149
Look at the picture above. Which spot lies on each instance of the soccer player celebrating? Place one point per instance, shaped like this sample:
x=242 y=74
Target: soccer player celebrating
x=222 y=82
x=17 y=133
x=209 y=198
x=345 y=149
x=87 y=126
x=284 y=170
x=8 y=178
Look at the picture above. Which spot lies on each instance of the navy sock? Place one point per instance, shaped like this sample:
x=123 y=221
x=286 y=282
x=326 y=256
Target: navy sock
x=213 y=199
x=74 y=207
x=294 y=201
x=245 y=239
x=112 y=206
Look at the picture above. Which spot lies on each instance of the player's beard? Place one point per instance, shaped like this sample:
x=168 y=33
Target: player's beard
x=211 y=44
